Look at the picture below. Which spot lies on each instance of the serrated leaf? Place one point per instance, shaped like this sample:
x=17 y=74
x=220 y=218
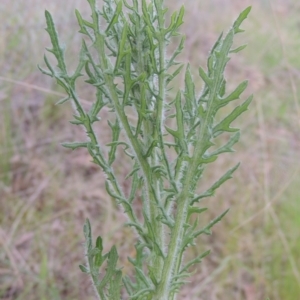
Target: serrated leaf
x=222 y=58
x=115 y=18
x=176 y=52
x=57 y=50
x=224 y=125
x=172 y=132
x=80 y=22
x=179 y=20
x=174 y=74
x=207 y=229
x=172 y=23
x=205 y=77
x=83 y=23
x=217 y=184
x=96 y=107
x=227 y=147
x=243 y=15
x=195 y=210
x=111 y=267
x=235 y=94
x=179 y=133
x=195 y=261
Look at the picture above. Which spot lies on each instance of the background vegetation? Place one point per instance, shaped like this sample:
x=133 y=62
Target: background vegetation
x=46 y=191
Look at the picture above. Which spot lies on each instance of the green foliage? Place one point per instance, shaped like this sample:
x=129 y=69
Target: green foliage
x=130 y=42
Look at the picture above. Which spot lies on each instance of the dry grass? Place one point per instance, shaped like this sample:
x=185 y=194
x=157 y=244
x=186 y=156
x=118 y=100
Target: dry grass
x=46 y=191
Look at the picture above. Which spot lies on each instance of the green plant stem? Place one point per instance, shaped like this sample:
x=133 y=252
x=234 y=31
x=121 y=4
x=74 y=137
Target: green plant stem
x=176 y=238
x=158 y=226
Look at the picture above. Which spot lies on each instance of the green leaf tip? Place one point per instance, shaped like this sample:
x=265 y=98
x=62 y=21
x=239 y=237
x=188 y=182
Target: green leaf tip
x=47 y=14
x=84 y=269
x=243 y=15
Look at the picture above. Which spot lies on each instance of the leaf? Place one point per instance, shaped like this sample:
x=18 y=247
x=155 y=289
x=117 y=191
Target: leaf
x=121 y=50
x=146 y=16
x=243 y=15
x=189 y=91
x=207 y=159
x=217 y=184
x=195 y=210
x=207 y=229
x=179 y=20
x=143 y=292
x=128 y=285
x=132 y=172
x=238 y=49
x=84 y=269
x=83 y=23
x=179 y=133
x=111 y=266
x=115 y=18
x=116 y=129
x=141 y=276
x=174 y=74
x=88 y=234
x=224 y=125
x=74 y=146
x=205 y=78
x=176 y=21
x=176 y=52
x=222 y=59
x=110 y=190
x=150 y=149
x=215 y=47
x=98 y=260
x=194 y=261
x=96 y=107
x=235 y=94
x=57 y=50
x=227 y=147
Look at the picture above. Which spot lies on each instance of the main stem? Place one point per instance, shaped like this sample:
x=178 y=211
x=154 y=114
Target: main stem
x=174 y=250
